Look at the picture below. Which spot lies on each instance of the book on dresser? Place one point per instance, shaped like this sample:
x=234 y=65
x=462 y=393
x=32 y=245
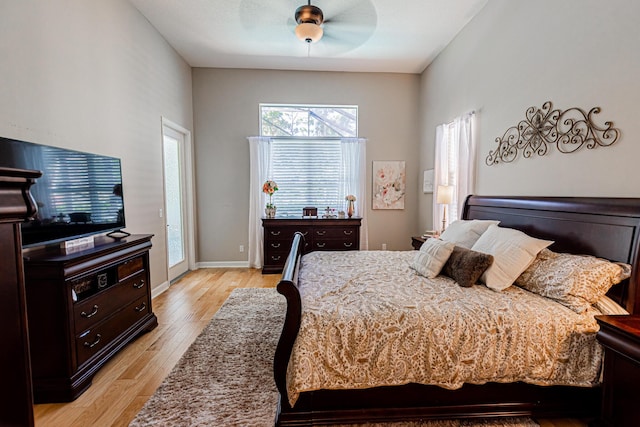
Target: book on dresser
x=320 y=234
x=83 y=307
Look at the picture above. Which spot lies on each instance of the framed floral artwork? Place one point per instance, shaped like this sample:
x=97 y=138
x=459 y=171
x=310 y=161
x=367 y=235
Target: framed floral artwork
x=388 y=184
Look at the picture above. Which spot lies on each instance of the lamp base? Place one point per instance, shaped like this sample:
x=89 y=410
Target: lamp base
x=444 y=218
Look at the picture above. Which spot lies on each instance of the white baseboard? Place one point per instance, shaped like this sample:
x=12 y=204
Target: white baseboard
x=159 y=289
x=223 y=264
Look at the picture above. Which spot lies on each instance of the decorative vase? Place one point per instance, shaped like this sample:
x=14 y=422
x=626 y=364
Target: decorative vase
x=270 y=212
x=350 y=209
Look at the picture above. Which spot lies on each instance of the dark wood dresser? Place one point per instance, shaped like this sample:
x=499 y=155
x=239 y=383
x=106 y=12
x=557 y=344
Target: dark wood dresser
x=319 y=234
x=620 y=337
x=16 y=206
x=83 y=308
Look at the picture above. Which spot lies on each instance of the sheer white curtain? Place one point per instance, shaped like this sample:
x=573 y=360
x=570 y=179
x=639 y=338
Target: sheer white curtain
x=440 y=171
x=259 y=154
x=354 y=169
x=464 y=131
x=455 y=160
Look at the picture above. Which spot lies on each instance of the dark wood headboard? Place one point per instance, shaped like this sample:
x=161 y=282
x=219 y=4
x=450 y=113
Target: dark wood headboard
x=604 y=227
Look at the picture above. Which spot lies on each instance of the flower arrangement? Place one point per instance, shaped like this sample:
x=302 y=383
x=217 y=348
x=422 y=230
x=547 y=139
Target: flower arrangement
x=269 y=187
x=350 y=207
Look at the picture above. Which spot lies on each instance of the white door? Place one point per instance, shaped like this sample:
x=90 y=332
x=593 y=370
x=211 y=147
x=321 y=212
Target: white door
x=175 y=201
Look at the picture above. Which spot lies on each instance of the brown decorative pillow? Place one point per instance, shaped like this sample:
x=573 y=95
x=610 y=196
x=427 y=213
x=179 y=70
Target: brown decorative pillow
x=466 y=266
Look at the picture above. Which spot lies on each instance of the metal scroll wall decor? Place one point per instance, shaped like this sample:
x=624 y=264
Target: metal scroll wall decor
x=568 y=130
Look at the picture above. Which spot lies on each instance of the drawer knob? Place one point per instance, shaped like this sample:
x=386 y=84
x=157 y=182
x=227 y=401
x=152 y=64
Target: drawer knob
x=275 y=245
x=141 y=307
x=139 y=285
x=93 y=312
x=348 y=245
x=347 y=232
x=94 y=343
x=275 y=233
x=321 y=232
x=276 y=258
x=320 y=244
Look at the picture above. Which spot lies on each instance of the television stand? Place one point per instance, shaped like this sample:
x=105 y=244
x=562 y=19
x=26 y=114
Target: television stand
x=118 y=234
x=82 y=309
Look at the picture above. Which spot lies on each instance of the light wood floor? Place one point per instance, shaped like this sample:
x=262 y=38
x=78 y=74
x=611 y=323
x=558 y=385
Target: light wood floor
x=124 y=384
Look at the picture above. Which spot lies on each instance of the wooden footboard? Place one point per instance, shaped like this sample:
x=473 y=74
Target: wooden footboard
x=288 y=286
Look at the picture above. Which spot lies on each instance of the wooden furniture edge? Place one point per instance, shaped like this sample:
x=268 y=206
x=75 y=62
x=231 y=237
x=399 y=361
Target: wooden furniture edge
x=288 y=286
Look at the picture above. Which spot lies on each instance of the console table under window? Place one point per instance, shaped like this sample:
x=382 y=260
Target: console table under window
x=320 y=235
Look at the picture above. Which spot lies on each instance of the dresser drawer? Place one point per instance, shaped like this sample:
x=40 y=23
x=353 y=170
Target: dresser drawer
x=334 y=245
x=335 y=233
x=283 y=234
x=278 y=240
x=277 y=258
x=96 y=308
x=130 y=267
x=91 y=341
x=274 y=246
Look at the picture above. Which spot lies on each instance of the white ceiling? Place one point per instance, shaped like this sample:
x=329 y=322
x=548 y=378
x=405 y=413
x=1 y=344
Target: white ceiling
x=360 y=35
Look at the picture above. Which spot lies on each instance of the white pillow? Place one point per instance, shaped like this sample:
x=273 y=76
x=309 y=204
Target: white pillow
x=466 y=232
x=431 y=257
x=513 y=251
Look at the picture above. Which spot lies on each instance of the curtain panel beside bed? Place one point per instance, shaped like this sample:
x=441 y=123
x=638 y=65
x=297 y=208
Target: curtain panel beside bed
x=455 y=160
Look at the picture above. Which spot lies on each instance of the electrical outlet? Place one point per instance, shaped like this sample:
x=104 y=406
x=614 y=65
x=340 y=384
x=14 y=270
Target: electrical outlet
x=384 y=246
x=160 y=212
x=241 y=248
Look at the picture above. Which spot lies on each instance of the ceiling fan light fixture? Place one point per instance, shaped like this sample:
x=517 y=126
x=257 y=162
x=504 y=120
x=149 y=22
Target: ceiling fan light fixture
x=309 y=32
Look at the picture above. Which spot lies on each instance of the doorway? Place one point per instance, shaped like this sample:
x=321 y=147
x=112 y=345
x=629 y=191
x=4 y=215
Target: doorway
x=176 y=142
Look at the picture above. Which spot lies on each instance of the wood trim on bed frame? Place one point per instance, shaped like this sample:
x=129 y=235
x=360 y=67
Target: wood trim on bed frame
x=604 y=227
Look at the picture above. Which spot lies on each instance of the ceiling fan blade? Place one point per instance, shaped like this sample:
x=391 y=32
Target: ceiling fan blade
x=356 y=12
x=256 y=15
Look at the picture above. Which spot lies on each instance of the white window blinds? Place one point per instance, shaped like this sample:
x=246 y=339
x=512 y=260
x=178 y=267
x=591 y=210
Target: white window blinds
x=311 y=172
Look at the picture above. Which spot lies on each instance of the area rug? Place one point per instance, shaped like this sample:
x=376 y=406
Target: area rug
x=226 y=377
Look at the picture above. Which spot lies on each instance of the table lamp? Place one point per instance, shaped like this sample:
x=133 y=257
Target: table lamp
x=444 y=197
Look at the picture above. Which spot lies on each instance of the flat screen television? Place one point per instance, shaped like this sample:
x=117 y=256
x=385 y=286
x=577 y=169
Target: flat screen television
x=79 y=194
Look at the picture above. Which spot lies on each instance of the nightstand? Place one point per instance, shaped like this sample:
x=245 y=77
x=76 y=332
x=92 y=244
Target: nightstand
x=620 y=337
x=417 y=241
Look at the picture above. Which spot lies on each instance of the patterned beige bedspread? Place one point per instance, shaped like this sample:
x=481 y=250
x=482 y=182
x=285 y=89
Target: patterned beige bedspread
x=369 y=320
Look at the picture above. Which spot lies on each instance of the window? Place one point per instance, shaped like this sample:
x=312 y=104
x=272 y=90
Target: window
x=306 y=155
x=450 y=171
x=314 y=155
x=309 y=121
x=455 y=156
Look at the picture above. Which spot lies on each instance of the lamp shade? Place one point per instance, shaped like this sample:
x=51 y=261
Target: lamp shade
x=309 y=32
x=445 y=194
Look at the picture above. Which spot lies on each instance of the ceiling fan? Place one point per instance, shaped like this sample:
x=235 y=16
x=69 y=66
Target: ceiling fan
x=309 y=19
x=332 y=26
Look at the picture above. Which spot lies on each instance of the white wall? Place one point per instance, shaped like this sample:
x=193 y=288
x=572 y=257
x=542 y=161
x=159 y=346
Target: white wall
x=95 y=76
x=226 y=112
x=517 y=54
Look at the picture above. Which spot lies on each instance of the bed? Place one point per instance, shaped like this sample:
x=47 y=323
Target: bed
x=607 y=228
